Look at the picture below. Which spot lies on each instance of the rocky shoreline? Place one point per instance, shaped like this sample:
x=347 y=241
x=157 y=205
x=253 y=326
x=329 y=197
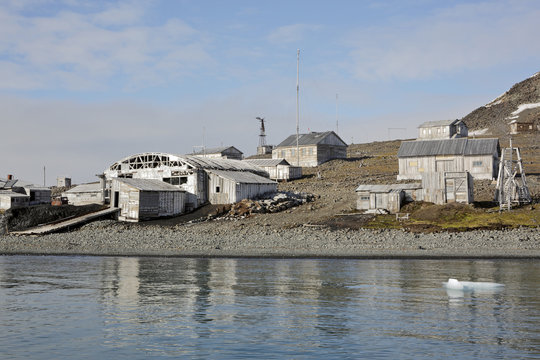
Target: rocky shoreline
x=227 y=238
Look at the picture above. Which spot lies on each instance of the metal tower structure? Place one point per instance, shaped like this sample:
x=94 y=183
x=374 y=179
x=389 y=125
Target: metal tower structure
x=511 y=182
x=262 y=134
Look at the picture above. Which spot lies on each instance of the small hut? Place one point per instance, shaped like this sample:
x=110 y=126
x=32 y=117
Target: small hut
x=278 y=169
x=387 y=197
x=447 y=187
x=144 y=199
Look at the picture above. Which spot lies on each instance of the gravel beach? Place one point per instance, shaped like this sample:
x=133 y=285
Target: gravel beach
x=224 y=238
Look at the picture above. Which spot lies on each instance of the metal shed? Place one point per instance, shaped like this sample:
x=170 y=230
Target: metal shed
x=387 y=197
x=480 y=157
x=143 y=199
x=229 y=187
x=278 y=169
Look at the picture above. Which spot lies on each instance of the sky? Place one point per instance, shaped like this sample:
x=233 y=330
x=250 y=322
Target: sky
x=86 y=83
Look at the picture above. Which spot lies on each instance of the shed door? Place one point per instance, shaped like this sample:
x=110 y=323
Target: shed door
x=461 y=190
x=450 y=190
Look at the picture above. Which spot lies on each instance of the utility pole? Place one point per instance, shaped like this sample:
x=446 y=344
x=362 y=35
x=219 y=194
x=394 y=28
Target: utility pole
x=337 y=123
x=297 y=104
x=44 y=183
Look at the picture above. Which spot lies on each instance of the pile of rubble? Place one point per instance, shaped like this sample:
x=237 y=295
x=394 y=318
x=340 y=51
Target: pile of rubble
x=280 y=202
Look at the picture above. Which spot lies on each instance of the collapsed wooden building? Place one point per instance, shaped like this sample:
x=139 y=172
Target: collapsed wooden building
x=480 y=157
x=203 y=180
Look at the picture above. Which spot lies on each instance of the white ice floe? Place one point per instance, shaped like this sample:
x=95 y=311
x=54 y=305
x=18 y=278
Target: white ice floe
x=523 y=107
x=469 y=286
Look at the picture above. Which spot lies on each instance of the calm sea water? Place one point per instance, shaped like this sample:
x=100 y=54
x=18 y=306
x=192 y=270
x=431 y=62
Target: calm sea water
x=140 y=308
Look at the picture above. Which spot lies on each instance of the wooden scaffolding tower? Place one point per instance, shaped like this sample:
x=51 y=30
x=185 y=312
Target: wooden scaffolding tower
x=511 y=183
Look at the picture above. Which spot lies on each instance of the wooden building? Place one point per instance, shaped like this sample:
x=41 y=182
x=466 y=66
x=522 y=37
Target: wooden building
x=518 y=126
x=388 y=198
x=444 y=129
x=85 y=194
x=480 y=157
x=63 y=181
x=12 y=200
x=229 y=187
x=186 y=172
x=314 y=149
x=278 y=169
x=227 y=152
x=144 y=199
x=448 y=187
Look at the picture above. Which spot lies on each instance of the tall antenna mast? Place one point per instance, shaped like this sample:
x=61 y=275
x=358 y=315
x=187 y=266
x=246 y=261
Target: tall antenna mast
x=297 y=102
x=337 y=123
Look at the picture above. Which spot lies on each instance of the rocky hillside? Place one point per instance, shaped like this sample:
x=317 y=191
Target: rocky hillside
x=495 y=115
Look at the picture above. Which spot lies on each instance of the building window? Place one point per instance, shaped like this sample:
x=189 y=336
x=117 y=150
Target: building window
x=364 y=198
x=183 y=180
x=477 y=163
x=303 y=152
x=282 y=153
x=292 y=152
x=413 y=163
x=310 y=151
x=217 y=189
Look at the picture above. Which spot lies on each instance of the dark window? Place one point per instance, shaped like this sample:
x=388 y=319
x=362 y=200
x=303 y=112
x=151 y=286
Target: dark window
x=217 y=189
x=183 y=180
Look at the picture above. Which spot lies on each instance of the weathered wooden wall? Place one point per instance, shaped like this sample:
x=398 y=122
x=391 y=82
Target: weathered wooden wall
x=480 y=166
x=446 y=187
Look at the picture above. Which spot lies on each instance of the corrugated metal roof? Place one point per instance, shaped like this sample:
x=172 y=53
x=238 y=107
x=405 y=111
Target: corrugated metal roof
x=149 y=184
x=85 y=188
x=460 y=146
x=220 y=164
x=439 y=123
x=13 y=194
x=313 y=138
x=268 y=162
x=242 y=177
x=388 y=188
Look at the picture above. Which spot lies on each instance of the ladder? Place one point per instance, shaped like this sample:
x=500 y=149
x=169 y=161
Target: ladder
x=512 y=186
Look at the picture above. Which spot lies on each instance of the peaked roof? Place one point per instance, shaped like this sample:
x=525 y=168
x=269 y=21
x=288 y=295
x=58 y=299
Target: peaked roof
x=267 y=162
x=242 y=177
x=149 y=184
x=459 y=146
x=313 y=138
x=439 y=123
x=217 y=150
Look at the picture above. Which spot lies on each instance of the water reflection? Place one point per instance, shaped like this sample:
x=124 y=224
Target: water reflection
x=233 y=307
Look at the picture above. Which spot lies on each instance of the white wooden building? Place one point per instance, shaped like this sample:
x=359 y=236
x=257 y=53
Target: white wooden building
x=12 y=200
x=144 y=199
x=313 y=149
x=85 y=194
x=387 y=197
x=226 y=152
x=228 y=187
x=444 y=129
x=278 y=169
x=480 y=157
x=448 y=187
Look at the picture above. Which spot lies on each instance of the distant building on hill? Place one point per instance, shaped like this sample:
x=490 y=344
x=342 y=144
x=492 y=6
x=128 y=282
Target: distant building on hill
x=227 y=152
x=444 y=129
x=313 y=149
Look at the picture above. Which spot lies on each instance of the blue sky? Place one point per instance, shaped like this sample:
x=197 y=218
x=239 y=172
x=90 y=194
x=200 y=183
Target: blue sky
x=85 y=83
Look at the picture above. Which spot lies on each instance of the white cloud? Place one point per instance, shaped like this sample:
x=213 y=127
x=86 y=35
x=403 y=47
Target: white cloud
x=76 y=51
x=464 y=37
x=291 y=33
